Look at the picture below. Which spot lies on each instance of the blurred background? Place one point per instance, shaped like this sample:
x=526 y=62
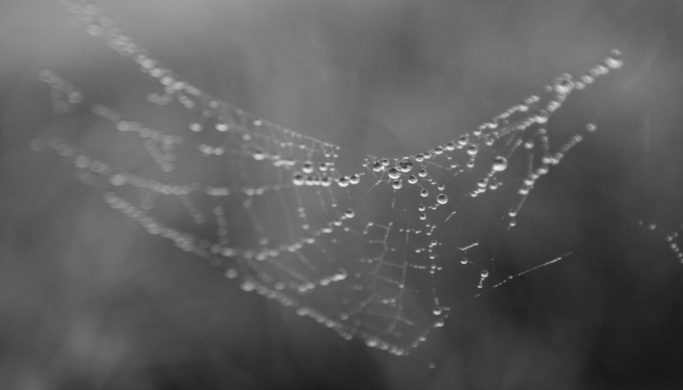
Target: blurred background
x=90 y=301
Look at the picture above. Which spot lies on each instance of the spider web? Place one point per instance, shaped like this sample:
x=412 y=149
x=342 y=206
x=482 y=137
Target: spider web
x=374 y=252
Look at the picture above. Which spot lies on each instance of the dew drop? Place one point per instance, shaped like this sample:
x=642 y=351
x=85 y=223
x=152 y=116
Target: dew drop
x=500 y=164
x=394 y=173
x=247 y=286
x=307 y=167
x=397 y=184
x=412 y=179
x=442 y=198
x=615 y=60
x=343 y=181
x=564 y=84
x=117 y=180
x=424 y=193
x=298 y=178
x=349 y=213
x=406 y=166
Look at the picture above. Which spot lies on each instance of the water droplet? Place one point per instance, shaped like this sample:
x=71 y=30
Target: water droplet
x=472 y=149
x=424 y=193
x=307 y=167
x=422 y=173
x=442 y=198
x=423 y=216
x=614 y=60
x=394 y=173
x=564 y=84
x=484 y=273
x=196 y=127
x=397 y=184
x=117 y=180
x=377 y=166
x=343 y=181
x=247 y=286
x=541 y=117
x=421 y=208
x=406 y=166
x=412 y=179
x=591 y=127
x=500 y=164
x=349 y=213
x=298 y=178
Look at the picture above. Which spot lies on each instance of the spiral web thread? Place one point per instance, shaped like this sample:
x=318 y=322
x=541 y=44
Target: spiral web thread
x=272 y=209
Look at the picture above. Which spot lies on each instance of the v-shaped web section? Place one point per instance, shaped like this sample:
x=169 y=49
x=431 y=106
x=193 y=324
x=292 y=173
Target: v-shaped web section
x=365 y=253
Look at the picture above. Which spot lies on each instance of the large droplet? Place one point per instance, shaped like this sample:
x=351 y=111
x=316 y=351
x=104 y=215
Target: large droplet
x=614 y=60
x=394 y=173
x=442 y=198
x=500 y=164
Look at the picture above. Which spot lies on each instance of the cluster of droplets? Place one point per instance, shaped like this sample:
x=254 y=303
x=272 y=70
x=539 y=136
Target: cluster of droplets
x=670 y=237
x=62 y=93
